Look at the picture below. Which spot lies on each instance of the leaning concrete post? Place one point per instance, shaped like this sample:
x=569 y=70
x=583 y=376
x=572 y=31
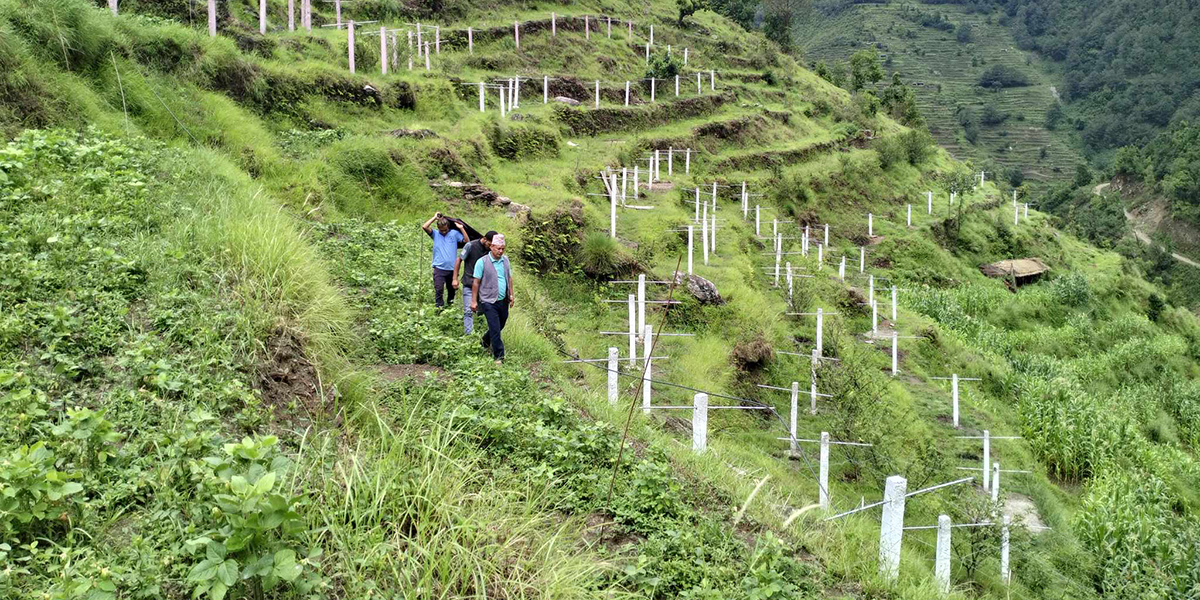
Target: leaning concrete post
x=612 y=376
x=757 y=232
x=262 y=18
x=987 y=458
x=699 y=422
x=691 y=234
x=954 y=400
x=704 y=240
x=597 y=93
x=995 y=481
x=212 y=18
x=612 y=217
x=291 y=15
x=1005 y=572
x=793 y=418
x=626 y=93
x=646 y=344
x=895 y=353
x=632 y=330
x=891 y=529
x=820 y=331
x=941 y=563
x=350 y=44
x=383 y=62
x=823 y=473
x=641 y=295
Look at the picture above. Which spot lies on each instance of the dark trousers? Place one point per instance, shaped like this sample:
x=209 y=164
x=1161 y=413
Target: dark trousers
x=442 y=279
x=496 y=314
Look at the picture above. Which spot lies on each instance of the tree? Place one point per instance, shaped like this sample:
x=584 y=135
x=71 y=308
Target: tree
x=971 y=131
x=1002 y=76
x=1083 y=176
x=993 y=116
x=1014 y=176
x=864 y=69
x=918 y=146
x=688 y=8
x=1054 y=115
x=965 y=33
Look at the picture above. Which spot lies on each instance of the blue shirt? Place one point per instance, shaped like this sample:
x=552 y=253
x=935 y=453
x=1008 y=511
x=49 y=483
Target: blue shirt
x=501 y=276
x=445 y=249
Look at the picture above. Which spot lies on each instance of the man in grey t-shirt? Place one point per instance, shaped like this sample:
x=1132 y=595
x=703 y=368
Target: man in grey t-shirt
x=465 y=264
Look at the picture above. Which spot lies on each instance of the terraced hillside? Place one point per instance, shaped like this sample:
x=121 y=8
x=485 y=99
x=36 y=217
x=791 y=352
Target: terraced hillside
x=945 y=74
x=227 y=378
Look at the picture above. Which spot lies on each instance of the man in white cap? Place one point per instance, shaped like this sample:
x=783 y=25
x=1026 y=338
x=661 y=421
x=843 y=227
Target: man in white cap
x=492 y=292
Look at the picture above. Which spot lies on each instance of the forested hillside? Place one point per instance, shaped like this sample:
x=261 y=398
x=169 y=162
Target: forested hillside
x=853 y=369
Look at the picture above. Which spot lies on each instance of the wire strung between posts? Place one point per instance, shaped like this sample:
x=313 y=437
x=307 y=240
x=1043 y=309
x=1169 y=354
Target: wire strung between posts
x=882 y=502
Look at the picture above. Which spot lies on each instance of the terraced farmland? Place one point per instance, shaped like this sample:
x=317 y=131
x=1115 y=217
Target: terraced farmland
x=944 y=72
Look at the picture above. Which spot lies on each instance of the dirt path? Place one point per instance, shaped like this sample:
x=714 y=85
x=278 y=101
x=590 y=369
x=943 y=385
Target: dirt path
x=1140 y=235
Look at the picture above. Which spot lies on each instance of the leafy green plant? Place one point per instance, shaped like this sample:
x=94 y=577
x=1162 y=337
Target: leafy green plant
x=88 y=434
x=32 y=490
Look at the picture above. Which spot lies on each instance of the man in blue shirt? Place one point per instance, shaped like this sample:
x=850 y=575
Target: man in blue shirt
x=445 y=252
x=492 y=291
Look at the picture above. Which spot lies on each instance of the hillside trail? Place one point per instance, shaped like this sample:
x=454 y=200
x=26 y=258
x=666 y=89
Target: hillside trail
x=1139 y=234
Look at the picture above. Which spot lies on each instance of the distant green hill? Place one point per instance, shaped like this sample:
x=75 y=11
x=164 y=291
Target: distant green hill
x=945 y=52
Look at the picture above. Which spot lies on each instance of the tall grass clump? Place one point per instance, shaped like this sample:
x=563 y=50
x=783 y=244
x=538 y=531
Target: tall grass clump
x=601 y=257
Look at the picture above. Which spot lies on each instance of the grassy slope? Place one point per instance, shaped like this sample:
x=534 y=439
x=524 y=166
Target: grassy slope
x=931 y=58
x=401 y=434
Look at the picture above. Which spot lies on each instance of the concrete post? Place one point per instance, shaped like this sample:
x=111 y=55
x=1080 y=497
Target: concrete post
x=685 y=56
x=745 y=201
x=652 y=34
x=778 y=257
x=1016 y=215
x=553 y=25
x=410 y=53
x=646 y=343
x=793 y=418
x=697 y=204
x=894 y=293
x=426 y=56
x=823 y=473
x=470 y=41
x=987 y=458
x=587 y=28
x=699 y=90
x=670 y=151
x=349 y=44
x=1026 y=215
x=842 y=269
x=820 y=331
x=626 y=93
x=545 y=89
x=657 y=164
x=929 y=202
x=895 y=353
x=910 y=215
x=652 y=100
x=954 y=400
x=262 y=18
x=871 y=292
x=1005 y=571
x=624 y=183
x=996 y=481
x=677 y=85
x=641 y=298
x=789 y=282
x=874 y=318
x=891 y=530
x=481 y=92
x=517 y=34
x=291 y=15
x=610 y=27
x=112 y=6
x=212 y=18
x=704 y=239
x=613 y=356
x=503 y=94
x=870 y=225
x=691 y=234
x=812 y=396
x=827 y=234
x=941 y=562
x=699 y=423
x=757 y=232
x=714 y=197
x=862 y=258
x=820 y=257
x=712 y=80
x=712 y=236
x=337 y=13
x=612 y=216
x=597 y=93
x=383 y=63
x=632 y=330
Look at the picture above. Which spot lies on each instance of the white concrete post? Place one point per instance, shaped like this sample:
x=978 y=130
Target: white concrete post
x=685 y=56
x=612 y=376
x=941 y=562
x=820 y=257
x=954 y=400
x=291 y=15
x=862 y=258
x=350 y=42
x=626 y=93
x=112 y=6
x=597 y=93
x=610 y=27
x=420 y=44
x=953 y=195
x=612 y=217
x=987 y=458
x=1026 y=215
x=870 y=225
x=697 y=204
x=712 y=236
x=553 y=25
x=212 y=18
x=647 y=52
x=676 y=85
x=646 y=343
x=587 y=28
x=687 y=162
x=823 y=473
x=712 y=80
x=704 y=238
x=517 y=34
x=426 y=56
x=1016 y=215
x=995 y=481
x=630 y=32
x=641 y=298
x=775 y=226
x=820 y=331
x=624 y=183
x=789 y=283
x=910 y=215
x=670 y=151
x=778 y=256
x=699 y=422
x=812 y=396
x=698 y=88
x=652 y=100
x=437 y=40
x=470 y=41
x=337 y=13
x=929 y=202
x=652 y=34
x=827 y=234
x=714 y=198
x=793 y=418
x=481 y=93
x=894 y=290
x=516 y=89
x=410 y=53
x=871 y=292
x=691 y=234
x=632 y=330
x=874 y=318
x=503 y=94
x=545 y=89
x=842 y=269
x=383 y=63
x=895 y=353
x=262 y=18
x=1005 y=571
x=745 y=201
x=756 y=221
x=657 y=166
x=891 y=529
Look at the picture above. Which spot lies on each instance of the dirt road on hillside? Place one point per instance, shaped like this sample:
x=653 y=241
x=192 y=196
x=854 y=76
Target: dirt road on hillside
x=1140 y=235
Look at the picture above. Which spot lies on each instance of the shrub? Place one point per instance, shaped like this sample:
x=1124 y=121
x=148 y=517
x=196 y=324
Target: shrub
x=551 y=242
x=918 y=146
x=1071 y=289
x=1002 y=76
x=891 y=152
x=663 y=66
x=516 y=142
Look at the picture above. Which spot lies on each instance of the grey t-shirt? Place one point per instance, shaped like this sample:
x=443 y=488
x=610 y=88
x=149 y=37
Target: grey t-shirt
x=471 y=252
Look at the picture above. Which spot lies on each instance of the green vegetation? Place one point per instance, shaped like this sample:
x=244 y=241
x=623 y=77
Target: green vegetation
x=224 y=376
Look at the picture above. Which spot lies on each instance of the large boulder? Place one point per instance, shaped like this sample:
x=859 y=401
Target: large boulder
x=700 y=288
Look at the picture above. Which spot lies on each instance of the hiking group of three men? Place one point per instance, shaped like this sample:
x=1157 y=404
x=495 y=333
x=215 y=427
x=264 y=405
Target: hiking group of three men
x=486 y=277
